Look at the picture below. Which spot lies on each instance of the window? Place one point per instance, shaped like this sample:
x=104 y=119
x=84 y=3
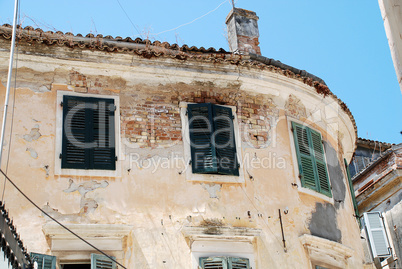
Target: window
x=44 y=261
x=374 y=225
x=224 y=263
x=311 y=159
x=97 y=262
x=212 y=139
x=88 y=140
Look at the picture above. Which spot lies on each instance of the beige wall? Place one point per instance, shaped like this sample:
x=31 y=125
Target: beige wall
x=145 y=210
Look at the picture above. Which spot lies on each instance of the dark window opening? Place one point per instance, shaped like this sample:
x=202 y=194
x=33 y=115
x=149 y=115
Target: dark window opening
x=88 y=133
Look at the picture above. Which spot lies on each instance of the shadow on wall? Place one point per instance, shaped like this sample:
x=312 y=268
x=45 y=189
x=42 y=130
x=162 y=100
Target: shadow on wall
x=336 y=175
x=323 y=223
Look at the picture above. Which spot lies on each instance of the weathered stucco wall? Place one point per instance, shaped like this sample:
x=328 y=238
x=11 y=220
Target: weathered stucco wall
x=151 y=195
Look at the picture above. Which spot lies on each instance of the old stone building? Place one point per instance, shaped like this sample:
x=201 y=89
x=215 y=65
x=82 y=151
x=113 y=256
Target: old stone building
x=176 y=157
x=376 y=171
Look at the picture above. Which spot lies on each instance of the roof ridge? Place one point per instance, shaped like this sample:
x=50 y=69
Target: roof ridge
x=149 y=49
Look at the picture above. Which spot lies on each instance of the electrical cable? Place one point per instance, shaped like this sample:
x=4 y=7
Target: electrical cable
x=129 y=18
x=196 y=19
x=59 y=223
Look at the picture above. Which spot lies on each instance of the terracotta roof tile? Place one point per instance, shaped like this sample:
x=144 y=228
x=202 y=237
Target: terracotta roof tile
x=148 y=49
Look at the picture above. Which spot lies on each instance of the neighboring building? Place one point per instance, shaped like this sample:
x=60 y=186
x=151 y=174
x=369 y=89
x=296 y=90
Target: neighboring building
x=177 y=157
x=378 y=190
x=366 y=152
x=13 y=254
x=391 y=11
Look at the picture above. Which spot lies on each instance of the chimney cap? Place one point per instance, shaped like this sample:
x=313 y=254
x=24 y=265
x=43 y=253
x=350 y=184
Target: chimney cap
x=242 y=12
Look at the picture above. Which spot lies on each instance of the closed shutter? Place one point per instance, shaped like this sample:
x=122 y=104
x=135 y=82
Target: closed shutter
x=224 y=140
x=305 y=156
x=213 y=263
x=238 y=263
x=203 y=156
x=311 y=159
x=104 y=152
x=74 y=154
x=322 y=173
x=88 y=133
x=44 y=261
x=102 y=262
x=376 y=234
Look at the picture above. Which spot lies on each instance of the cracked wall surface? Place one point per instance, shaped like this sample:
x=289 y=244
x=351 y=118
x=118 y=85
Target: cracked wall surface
x=150 y=192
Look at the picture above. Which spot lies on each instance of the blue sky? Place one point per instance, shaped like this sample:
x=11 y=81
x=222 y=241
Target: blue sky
x=343 y=42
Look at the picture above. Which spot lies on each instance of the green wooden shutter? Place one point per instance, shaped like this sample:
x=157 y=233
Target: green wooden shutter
x=213 y=263
x=224 y=140
x=102 y=262
x=203 y=155
x=305 y=156
x=238 y=263
x=311 y=159
x=44 y=261
x=88 y=133
x=321 y=166
x=352 y=191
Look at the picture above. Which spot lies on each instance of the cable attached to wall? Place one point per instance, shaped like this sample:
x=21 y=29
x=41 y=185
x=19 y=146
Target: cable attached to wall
x=59 y=223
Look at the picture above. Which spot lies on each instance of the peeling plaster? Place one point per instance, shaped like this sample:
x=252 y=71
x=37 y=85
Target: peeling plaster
x=212 y=189
x=88 y=205
x=32 y=152
x=33 y=135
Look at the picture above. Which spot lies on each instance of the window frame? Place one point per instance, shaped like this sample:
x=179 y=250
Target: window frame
x=58 y=170
x=227 y=261
x=295 y=159
x=213 y=178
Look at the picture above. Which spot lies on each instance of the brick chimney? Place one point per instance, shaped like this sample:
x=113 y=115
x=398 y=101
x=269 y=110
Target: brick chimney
x=243 y=31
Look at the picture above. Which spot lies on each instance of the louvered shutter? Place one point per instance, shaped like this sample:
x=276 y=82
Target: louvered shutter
x=44 y=261
x=376 y=233
x=74 y=154
x=88 y=133
x=321 y=167
x=203 y=156
x=213 y=263
x=311 y=159
x=238 y=263
x=103 y=153
x=102 y=262
x=352 y=191
x=224 y=140
x=305 y=156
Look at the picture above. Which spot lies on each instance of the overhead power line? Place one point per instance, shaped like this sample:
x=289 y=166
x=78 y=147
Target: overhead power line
x=59 y=223
x=193 y=20
x=128 y=17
